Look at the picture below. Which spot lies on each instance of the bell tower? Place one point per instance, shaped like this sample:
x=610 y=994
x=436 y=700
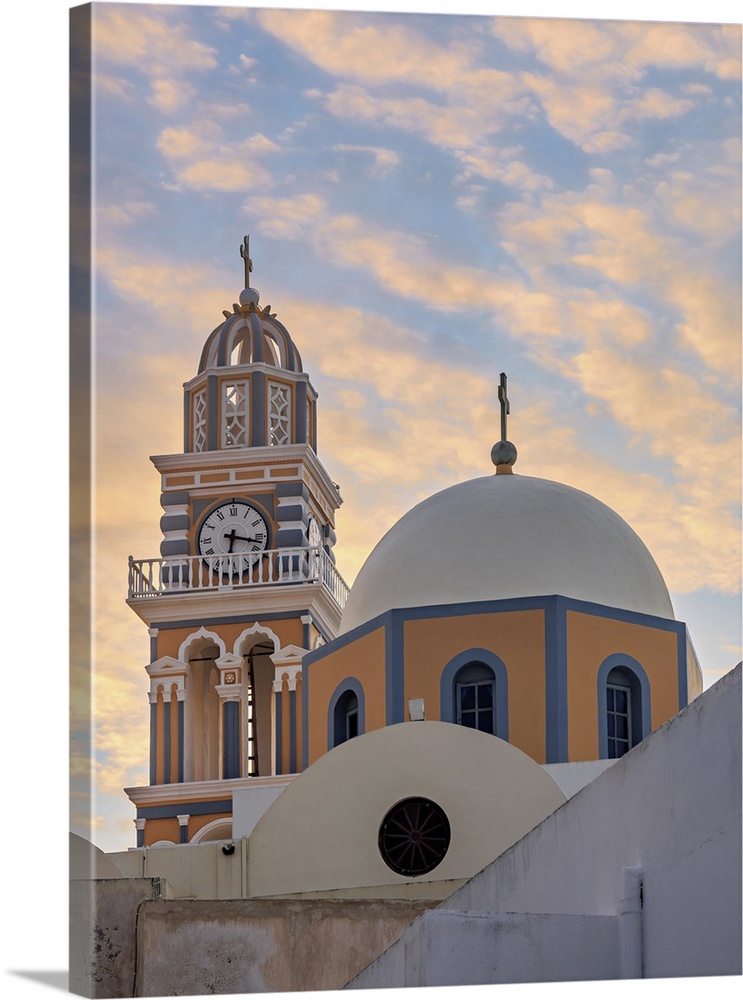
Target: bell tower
x=245 y=583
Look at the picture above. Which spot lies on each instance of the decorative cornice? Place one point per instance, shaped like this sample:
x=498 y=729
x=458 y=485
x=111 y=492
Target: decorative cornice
x=250 y=458
x=201 y=791
x=247 y=604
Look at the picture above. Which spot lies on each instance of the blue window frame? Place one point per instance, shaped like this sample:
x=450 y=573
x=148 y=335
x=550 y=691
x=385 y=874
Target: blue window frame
x=474 y=692
x=345 y=712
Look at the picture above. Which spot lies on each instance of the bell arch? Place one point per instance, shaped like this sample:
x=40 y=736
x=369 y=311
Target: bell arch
x=255 y=646
x=200 y=651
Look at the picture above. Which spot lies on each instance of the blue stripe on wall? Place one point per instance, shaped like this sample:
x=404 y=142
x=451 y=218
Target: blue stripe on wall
x=292 y=732
x=167 y=709
x=279 y=732
x=153 y=743
x=177 y=808
x=556 y=680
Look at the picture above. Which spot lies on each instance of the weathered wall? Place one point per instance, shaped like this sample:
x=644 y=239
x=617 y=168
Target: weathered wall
x=671 y=806
x=103 y=918
x=254 y=946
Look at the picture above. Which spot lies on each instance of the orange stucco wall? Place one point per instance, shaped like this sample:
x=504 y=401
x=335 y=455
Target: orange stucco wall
x=288 y=630
x=517 y=637
x=590 y=639
x=161 y=829
x=363 y=659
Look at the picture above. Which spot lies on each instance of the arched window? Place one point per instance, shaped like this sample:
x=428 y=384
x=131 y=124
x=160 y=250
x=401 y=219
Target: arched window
x=624 y=706
x=346 y=712
x=475 y=697
x=474 y=692
x=346 y=718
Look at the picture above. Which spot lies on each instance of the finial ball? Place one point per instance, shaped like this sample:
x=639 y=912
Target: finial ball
x=248 y=295
x=503 y=453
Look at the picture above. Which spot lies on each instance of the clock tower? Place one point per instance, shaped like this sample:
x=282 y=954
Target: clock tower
x=245 y=584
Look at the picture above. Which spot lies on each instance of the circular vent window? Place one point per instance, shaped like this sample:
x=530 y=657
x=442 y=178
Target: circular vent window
x=414 y=836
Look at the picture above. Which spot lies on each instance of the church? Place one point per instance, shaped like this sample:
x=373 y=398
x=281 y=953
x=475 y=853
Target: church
x=507 y=654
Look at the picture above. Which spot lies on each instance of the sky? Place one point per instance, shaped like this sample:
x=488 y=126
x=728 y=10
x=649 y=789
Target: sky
x=430 y=200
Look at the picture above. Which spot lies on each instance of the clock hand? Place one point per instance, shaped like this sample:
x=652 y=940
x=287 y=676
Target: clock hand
x=233 y=537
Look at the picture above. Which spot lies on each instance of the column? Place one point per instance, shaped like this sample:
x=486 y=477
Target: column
x=140 y=825
x=229 y=696
x=183 y=824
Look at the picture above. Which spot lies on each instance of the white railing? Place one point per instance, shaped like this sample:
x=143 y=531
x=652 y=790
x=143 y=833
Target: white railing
x=276 y=567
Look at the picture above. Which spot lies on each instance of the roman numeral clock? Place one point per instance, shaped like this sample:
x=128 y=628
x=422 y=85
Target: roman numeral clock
x=232 y=537
x=245 y=583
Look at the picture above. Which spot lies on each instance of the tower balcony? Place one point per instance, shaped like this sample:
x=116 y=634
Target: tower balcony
x=308 y=566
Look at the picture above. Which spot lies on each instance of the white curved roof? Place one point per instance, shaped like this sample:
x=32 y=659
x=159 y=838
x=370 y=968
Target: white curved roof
x=507 y=536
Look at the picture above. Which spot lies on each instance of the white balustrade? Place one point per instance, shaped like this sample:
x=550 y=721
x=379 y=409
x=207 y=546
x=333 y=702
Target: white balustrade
x=276 y=567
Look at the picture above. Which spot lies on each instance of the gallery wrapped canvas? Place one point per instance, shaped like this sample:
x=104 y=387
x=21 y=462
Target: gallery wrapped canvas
x=405 y=493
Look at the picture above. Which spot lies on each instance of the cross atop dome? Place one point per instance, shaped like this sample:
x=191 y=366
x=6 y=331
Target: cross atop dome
x=503 y=454
x=245 y=254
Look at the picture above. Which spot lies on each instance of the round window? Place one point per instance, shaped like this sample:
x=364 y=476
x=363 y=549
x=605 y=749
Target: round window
x=414 y=836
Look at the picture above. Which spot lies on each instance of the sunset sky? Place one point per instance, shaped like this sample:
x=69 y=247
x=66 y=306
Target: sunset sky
x=431 y=200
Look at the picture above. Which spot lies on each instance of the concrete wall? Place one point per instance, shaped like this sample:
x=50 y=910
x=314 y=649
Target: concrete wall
x=672 y=806
x=256 y=946
x=103 y=919
x=193 y=871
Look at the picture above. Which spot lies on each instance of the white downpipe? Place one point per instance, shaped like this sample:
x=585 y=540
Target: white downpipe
x=630 y=924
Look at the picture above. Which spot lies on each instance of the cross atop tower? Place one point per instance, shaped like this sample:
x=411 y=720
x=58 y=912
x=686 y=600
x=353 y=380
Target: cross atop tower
x=505 y=405
x=245 y=254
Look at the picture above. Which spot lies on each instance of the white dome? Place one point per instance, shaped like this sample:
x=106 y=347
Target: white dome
x=507 y=536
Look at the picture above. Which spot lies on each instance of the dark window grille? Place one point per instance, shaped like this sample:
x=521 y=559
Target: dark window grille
x=618 y=719
x=414 y=837
x=476 y=705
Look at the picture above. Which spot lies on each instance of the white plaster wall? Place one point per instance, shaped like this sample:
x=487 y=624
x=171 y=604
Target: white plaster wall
x=452 y=948
x=672 y=806
x=571 y=776
x=193 y=871
x=249 y=804
x=321 y=833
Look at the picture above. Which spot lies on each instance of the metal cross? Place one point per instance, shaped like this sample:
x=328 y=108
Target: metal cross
x=505 y=406
x=245 y=254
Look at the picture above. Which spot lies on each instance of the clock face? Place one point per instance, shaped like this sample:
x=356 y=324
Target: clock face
x=235 y=534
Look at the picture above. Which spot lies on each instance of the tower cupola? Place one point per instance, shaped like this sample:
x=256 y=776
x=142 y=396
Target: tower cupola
x=250 y=390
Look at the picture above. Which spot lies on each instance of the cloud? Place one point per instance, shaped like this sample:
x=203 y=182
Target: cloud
x=381 y=50
x=594 y=91
x=150 y=40
x=170 y=95
x=503 y=165
x=204 y=158
x=125 y=213
x=655 y=103
x=625 y=245
x=384 y=161
x=563 y=45
x=623 y=49
x=705 y=196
